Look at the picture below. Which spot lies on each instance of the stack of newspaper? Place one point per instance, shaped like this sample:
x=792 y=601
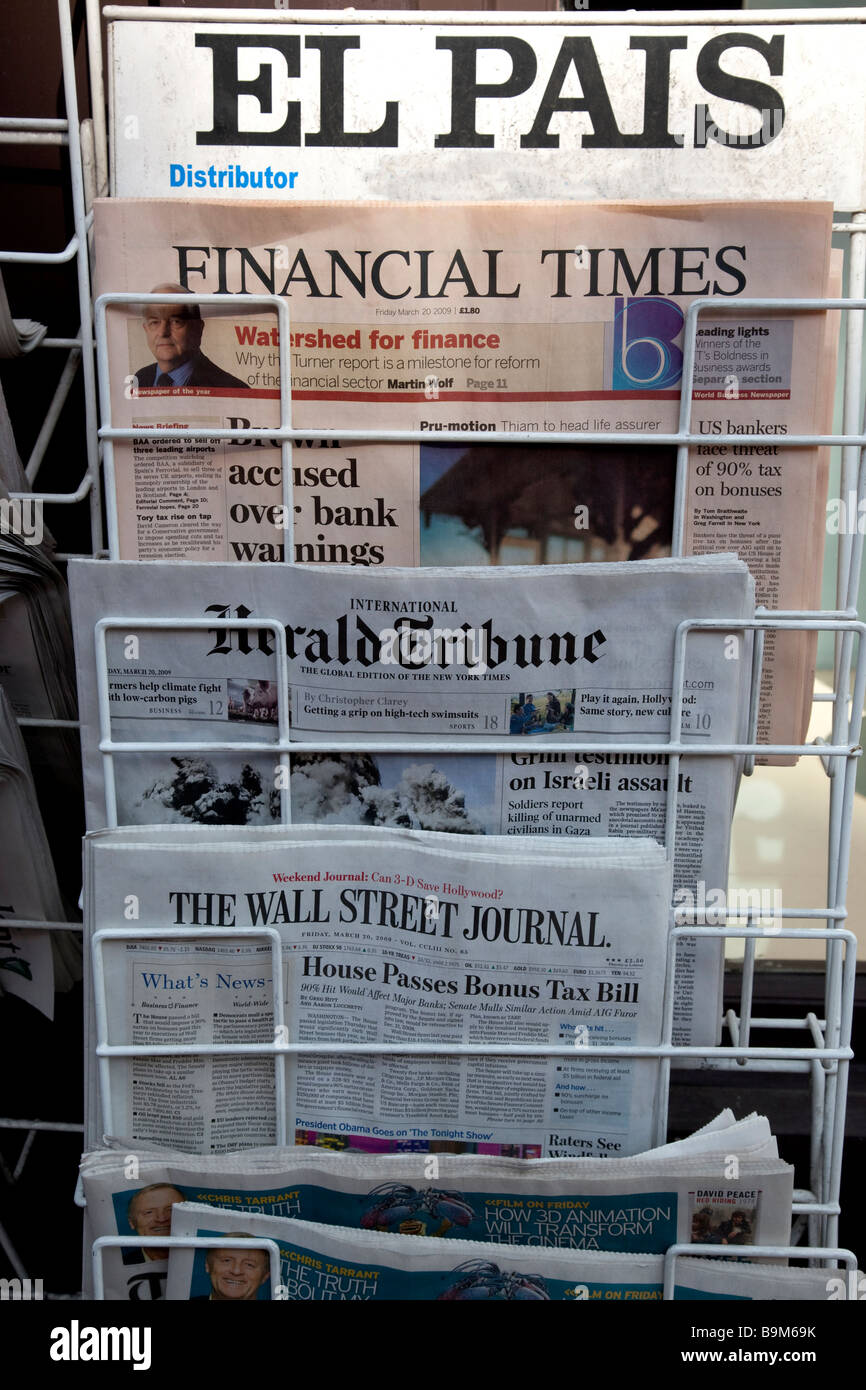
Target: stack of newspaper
x=405 y=943
x=567 y=663
x=683 y=1191
x=28 y=886
x=36 y=659
x=336 y=1264
x=36 y=654
x=723 y=1185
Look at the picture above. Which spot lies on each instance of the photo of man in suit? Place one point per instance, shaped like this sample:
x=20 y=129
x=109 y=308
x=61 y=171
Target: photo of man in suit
x=174 y=333
x=149 y=1214
x=235 y=1275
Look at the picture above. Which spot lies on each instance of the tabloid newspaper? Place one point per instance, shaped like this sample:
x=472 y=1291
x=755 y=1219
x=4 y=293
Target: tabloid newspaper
x=547 y=656
x=506 y=318
x=385 y=940
x=336 y=1264
x=641 y=1204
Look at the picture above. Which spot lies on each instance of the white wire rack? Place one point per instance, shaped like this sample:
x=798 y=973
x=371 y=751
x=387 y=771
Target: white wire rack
x=88 y=174
x=825 y=1060
x=86 y=143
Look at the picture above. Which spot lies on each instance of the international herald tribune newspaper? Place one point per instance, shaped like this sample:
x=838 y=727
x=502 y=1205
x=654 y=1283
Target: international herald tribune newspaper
x=562 y=663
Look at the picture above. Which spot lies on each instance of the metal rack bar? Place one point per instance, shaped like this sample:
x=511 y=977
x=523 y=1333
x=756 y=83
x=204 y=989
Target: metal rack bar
x=25 y=130
x=108 y=434
x=280 y=1046
x=759 y=1252
x=821 y=1062
x=284 y=744
x=106 y=1050
x=28 y=130
x=741 y=1053
x=827 y=1112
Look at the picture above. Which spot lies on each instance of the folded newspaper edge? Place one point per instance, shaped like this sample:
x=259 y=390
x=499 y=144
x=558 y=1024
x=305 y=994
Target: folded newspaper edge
x=388 y=941
x=333 y=1264
x=675 y=1193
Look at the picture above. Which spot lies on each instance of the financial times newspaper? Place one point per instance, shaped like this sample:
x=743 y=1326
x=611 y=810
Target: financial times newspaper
x=639 y=1204
x=335 y=1264
x=385 y=940
x=546 y=657
x=553 y=317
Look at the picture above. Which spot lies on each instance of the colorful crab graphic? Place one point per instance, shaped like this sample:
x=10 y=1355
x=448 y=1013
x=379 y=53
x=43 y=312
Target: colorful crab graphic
x=485 y=1280
x=408 y=1211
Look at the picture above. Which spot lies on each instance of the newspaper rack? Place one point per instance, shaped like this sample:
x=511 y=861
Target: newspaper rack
x=826 y=1060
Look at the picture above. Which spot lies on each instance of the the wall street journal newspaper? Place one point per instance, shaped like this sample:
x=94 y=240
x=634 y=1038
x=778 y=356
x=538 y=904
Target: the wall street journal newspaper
x=613 y=1204
x=547 y=658
x=552 y=317
x=385 y=940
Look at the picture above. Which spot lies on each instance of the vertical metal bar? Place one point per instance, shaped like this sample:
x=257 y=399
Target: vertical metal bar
x=288 y=485
x=755 y=693
x=97 y=96
x=746 y=988
x=680 y=486
x=838 y=1091
x=852 y=384
x=79 y=212
x=842 y=790
x=856 y=564
x=287 y=445
x=845 y=574
x=663 y=1081
x=687 y=380
x=103 y=697
x=281 y=1034
x=104 y=381
x=100 y=1005
x=284 y=729
x=816 y=1132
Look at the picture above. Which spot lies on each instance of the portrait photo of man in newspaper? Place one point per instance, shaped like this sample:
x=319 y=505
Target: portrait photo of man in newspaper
x=149 y=1214
x=236 y=1276
x=174 y=335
